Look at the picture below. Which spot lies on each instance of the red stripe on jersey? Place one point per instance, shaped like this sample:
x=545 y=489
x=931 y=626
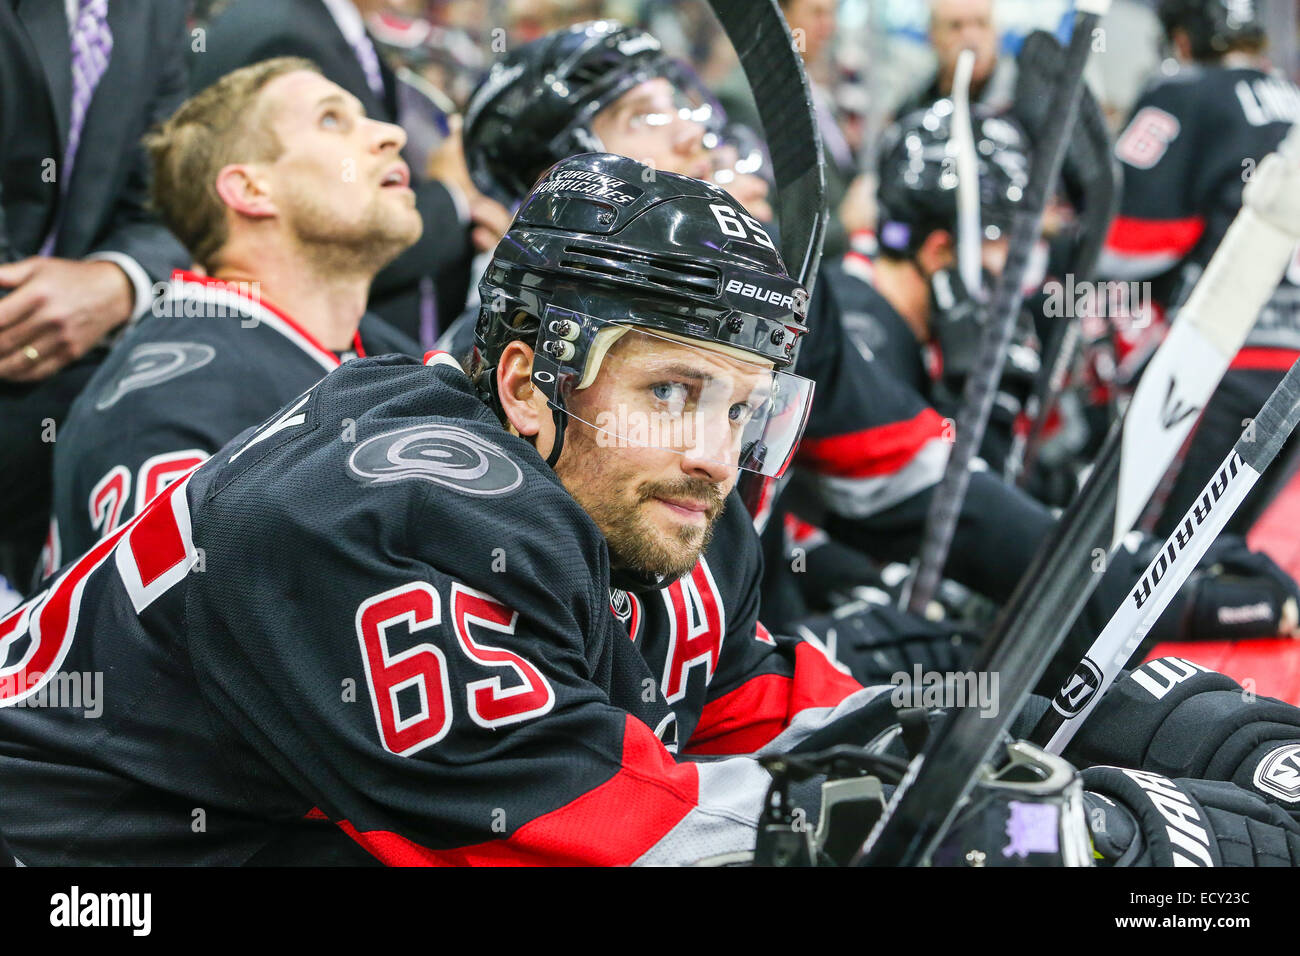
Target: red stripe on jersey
x=1175 y=237
x=1265 y=359
x=749 y=717
x=612 y=824
x=882 y=450
x=184 y=275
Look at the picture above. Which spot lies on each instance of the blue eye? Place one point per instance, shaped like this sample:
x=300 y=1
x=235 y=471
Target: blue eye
x=328 y=116
x=668 y=391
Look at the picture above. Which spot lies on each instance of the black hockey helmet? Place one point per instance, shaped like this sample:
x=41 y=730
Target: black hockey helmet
x=536 y=104
x=1213 y=26
x=917 y=190
x=605 y=245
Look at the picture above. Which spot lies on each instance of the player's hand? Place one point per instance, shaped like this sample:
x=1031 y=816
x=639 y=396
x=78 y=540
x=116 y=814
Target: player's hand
x=857 y=211
x=55 y=311
x=447 y=163
x=751 y=192
x=490 y=221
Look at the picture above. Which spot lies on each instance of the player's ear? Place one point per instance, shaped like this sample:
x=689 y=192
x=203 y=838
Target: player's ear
x=937 y=252
x=525 y=406
x=244 y=188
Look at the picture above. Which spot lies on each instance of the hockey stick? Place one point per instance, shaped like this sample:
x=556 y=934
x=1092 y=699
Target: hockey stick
x=761 y=37
x=1000 y=317
x=775 y=72
x=1254 y=451
x=1241 y=276
x=1092 y=167
x=969 y=234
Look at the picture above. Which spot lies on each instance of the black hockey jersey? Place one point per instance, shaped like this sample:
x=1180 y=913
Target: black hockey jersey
x=212 y=359
x=876 y=447
x=1192 y=143
x=397 y=638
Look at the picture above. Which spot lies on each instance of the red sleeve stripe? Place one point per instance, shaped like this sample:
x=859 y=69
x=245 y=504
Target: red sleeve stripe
x=1130 y=236
x=751 y=716
x=742 y=721
x=882 y=450
x=1265 y=359
x=614 y=824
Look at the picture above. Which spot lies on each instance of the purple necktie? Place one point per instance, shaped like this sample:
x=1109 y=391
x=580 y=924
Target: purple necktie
x=92 y=44
x=369 y=60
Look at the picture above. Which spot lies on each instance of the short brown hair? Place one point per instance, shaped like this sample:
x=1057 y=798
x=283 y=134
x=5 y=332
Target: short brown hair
x=215 y=127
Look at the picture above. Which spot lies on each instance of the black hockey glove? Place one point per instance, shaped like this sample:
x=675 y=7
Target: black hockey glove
x=1234 y=594
x=956 y=326
x=877 y=642
x=1138 y=818
x=1177 y=718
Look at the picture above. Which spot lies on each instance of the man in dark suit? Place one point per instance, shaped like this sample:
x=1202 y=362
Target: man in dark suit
x=80 y=83
x=332 y=33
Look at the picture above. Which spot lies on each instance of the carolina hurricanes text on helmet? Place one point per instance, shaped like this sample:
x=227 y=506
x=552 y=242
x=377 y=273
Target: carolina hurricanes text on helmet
x=590 y=184
x=773 y=296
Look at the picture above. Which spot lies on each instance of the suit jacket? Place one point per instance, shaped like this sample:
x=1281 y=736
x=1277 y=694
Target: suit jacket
x=107 y=197
x=251 y=30
x=105 y=205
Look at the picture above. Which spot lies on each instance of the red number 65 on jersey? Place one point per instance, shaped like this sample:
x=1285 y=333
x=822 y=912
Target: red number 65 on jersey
x=423 y=667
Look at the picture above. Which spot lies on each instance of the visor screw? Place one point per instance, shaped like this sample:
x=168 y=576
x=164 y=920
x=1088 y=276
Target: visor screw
x=605 y=217
x=564 y=329
x=735 y=324
x=778 y=336
x=563 y=351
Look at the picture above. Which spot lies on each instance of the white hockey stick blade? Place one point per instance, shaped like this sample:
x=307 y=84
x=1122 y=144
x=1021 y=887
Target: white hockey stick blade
x=1210 y=328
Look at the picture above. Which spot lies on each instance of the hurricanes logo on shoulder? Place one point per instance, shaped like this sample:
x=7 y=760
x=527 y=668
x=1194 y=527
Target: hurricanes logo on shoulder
x=153 y=364
x=1279 y=773
x=443 y=454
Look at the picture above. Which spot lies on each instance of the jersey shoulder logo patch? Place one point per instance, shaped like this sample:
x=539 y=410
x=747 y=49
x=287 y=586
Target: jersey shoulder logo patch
x=446 y=455
x=152 y=364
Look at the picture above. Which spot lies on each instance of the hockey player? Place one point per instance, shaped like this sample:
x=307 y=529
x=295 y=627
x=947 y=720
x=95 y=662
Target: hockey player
x=1190 y=146
x=392 y=638
x=879 y=444
x=876 y=445
x=247 y=173
x=599 y=86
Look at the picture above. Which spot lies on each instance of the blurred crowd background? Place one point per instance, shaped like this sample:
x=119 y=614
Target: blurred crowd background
x=869 y=60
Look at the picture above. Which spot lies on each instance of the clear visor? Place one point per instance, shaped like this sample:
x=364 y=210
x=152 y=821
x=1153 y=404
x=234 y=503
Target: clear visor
x=643 y=389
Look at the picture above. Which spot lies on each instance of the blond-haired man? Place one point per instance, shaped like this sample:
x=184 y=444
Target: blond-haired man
x=290 y=200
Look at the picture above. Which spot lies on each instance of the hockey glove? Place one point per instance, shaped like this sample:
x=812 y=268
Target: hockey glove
x=1139 y=818
x=1174 y=717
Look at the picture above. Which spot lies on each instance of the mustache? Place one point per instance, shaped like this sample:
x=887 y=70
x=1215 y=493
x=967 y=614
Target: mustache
x=691 y=489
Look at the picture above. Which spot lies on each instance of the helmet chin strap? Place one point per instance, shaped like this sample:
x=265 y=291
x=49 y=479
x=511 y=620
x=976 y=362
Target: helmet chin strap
x=561 y=419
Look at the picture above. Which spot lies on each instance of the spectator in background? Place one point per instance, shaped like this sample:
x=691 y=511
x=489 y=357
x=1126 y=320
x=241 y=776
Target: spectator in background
x=957 y=25
x=79 y=250
x=849 y=194
x=426 y=286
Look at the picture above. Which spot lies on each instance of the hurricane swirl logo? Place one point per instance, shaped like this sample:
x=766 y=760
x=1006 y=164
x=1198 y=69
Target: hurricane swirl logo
x=443 y=454
x=153 y=364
